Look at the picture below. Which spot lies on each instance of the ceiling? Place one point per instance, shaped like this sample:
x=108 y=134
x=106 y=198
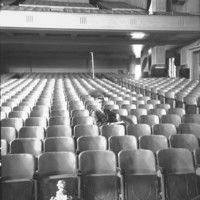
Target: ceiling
x=101 y=43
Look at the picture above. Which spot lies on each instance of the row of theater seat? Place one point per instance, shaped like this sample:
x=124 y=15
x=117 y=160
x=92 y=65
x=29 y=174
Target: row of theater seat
x=116 y=143
x=9 y=133
x=98 y=176
x=59 y=90
x=175 y=91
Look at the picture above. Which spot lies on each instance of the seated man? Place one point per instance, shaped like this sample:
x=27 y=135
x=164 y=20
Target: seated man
x=104 y=116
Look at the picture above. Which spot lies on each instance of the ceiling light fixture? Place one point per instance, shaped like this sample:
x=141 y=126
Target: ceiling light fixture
x=138 y=35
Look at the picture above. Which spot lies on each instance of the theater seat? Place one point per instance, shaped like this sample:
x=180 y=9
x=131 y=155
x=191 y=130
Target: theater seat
x=138 y=130
x=179 y=173
x=187 y=141
x=17 y=177
x=119 y=143
x=99 y=179
x=139 y=173
x=57 y=144
x=109 y=130
x=55 y=166
x=153 y=142
x=87 y=142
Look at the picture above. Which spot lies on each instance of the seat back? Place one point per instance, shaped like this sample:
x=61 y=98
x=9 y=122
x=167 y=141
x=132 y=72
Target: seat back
x=171 y=119
x=55 y=163
x=36 y=121
x=97 y=162
x=32 y=146
x=88 y=120
x=57 y=144
x=85 y=130
x=85 y=143
x=54 y=121
x=179 y=173
x=153 y=142
x=139 y=161
x=138 y=130
x=164 y=129
x=190 y=128
x=191 y=118
x=17 y=166
x=32 y=132
x=59 y=131
x=118 y=143
x=16 y=123
x=109 y=130
x=187 y=141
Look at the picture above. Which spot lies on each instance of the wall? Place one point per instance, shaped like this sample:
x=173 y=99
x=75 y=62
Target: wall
x=186 y=53
x=67 y=64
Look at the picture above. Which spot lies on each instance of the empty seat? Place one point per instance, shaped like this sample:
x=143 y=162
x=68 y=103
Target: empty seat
x=32 y=132
x=88 y=120
x=78 y=113
x=190 y=105
x=193 y=128
x=57 y=144
x=16 y=123
x=178 y=111
x=121 y=111
x=86 y=130
x=54 y=121
x=139 y=174
x=11 y=104
x=36 y=121
x=18 y=114
x=75 y=107
x=85 y=143
x=33 y=146
x=118 y=143
x=179 y=173
x=165 y=106
x=171 y=119
x=58 y=107
x=138 y=130
x=187 y=141
x=111 y=106
x=59 y=113
x=191 y=118
x=22 y=108
x=164 y=129
x=149 y=119
x=17 y=177
x=153 y=142
x=55 y=166
x=58 y=131
x=109 y=130
x=39 y=113
x=99 y=179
